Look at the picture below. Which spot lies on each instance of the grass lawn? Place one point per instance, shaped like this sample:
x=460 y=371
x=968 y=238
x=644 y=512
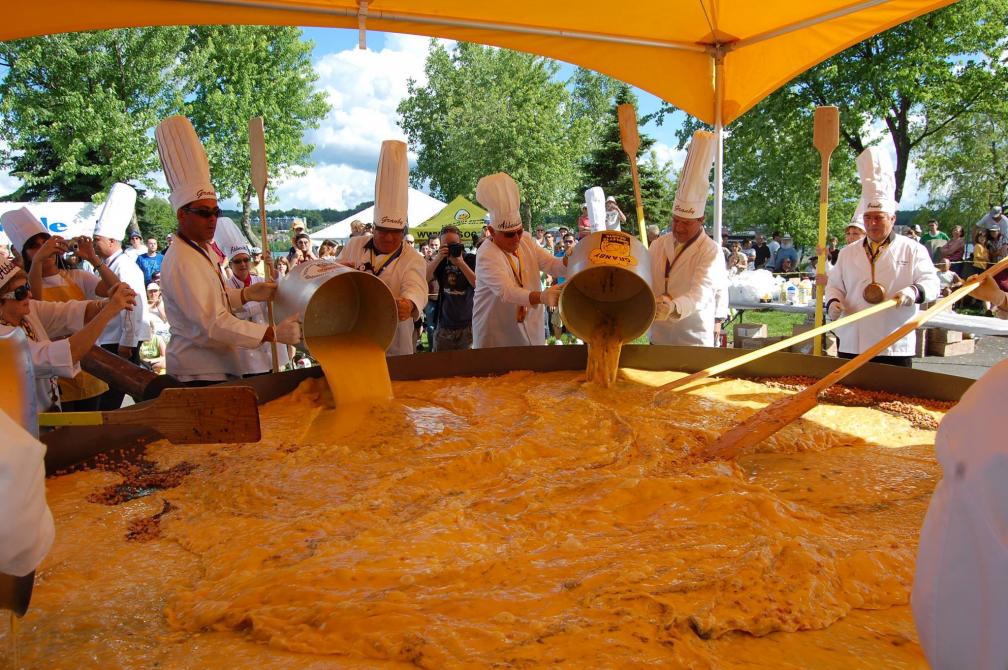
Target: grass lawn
x=778 y=323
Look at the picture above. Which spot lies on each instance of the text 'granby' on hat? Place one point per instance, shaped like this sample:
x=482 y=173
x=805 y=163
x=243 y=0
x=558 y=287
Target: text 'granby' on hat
x=694 y=179
x=391 y=208
x=184 y=162
x=878 y=181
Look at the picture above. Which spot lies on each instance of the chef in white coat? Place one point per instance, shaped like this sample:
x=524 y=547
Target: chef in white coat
x=508 y=304
x=960 y=589
x=205 y=334
x=80 y=322
x=239 y=252
x=595 y=201
x=124 y=334
x=386 y=254
x=882 y=266
x=26 y=524
x=687 y=266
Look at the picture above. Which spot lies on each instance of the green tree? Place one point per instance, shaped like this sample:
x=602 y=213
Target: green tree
x=913 y=80
x=486 y=110
x=608 y=166
x=156 y=218
x=230 y=74
x=965 y=168
x=77 y=109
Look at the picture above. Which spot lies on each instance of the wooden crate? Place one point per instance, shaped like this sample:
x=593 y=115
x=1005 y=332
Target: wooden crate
x=756 y=342
x=923 y=335
x=951 y=348
x=943 y=336
x=829 y=341
x=747 y=330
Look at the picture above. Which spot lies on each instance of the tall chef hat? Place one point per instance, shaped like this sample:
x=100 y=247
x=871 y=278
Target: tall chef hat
x=595 y=200
x=499 y=194
x=8 y=271
x=20 y=226
x=229 y=238
x=878 y=181
x=117 y=212
x=858 y=219
x=694 y=179
x=392 y=186
x=184 y=162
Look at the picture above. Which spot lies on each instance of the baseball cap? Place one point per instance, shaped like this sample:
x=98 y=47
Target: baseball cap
x=135 y=235
x=610 y=199
x=153 y=286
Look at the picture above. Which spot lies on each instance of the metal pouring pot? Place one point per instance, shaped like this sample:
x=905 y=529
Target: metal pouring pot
x=608 y=277
x=19 y=404
x=332 y=299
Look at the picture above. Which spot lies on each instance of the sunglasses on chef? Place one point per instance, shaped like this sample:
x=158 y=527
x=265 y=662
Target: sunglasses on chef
x=204 y=212
x=20 y=293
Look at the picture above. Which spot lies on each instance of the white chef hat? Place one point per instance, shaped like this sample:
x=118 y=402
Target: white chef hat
x=117 y=212
x=694 y=179
x=7 y=272
x=878 y=180
x=21 y=225
x=184 y=162
x=392 y=186
x=499 y=194
x=858 y=219
x=229 y=238
x=595 y=200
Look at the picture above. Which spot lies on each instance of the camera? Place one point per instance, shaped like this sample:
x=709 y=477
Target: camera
x=72 y=247
x=455 y=250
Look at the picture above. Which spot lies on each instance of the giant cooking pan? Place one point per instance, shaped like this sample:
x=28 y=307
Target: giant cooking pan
x=71 y=446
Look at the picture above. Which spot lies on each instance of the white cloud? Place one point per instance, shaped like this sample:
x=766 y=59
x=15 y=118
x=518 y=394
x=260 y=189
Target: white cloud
x=364 y=89
x=669 y=156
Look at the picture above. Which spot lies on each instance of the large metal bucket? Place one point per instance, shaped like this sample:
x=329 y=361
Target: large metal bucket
x=332 y=299
x=17 y=400
x=609 y=278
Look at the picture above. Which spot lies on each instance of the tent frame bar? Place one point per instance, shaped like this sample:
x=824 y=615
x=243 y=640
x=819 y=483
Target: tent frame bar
x=375 y=14
x=822 y=18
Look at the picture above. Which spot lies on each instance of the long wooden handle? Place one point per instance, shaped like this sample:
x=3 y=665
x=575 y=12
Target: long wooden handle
x=629 y=137
x=53 y=419
x=776 y=346
x=260 y=175
x=775 y=416
x=825 y=138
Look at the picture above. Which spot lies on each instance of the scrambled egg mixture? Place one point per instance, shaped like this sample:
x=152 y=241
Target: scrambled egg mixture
x=519 y=521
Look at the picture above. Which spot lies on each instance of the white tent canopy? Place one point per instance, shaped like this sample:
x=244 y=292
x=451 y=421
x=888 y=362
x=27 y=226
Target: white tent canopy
x=421 y=207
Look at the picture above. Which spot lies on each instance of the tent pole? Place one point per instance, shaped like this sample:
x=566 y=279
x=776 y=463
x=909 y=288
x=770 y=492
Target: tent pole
x=719 y=140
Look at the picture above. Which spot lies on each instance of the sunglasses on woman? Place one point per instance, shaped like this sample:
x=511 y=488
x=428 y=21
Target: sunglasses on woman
x=20 y=293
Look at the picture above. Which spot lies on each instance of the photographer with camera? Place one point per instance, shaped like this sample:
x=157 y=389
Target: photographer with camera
x=455 y=273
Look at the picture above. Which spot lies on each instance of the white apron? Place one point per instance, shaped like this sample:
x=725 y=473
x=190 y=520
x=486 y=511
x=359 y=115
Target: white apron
x=26 y=524
x=902 y=263
x=406 y=277
x=693 y=281
x=260 y=359
x=502 y=286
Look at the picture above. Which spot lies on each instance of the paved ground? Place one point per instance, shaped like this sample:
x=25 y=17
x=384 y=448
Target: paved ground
x=989 y=351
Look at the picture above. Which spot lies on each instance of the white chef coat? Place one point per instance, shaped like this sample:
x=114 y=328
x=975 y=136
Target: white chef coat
x=260 y=359
x=51 y=358
x=128 y=328
x=902 y=263
x=406 y=277
x=26 y=524
x=499 y=293
x=205 y=334
x=960 y=592
x=694 y=281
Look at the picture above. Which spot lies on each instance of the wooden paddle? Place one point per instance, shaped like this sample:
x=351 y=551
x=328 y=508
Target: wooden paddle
x=631 y=144
x=223 y=414
x=776 y=346
x=825 y=138
x=260 y=174
x=775 y=416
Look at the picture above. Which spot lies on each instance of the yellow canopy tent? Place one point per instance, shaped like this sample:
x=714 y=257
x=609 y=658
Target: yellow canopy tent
x=460 y=212
x=714 y=59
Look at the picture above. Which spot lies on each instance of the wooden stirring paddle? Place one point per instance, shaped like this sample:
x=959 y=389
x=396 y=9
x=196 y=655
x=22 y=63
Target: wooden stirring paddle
x=631 y=145
x=777 y=415
x=825 y=138
x=221 y=414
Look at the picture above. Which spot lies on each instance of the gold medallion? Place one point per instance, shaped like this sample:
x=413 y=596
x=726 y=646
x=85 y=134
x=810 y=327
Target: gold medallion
x=874 y=293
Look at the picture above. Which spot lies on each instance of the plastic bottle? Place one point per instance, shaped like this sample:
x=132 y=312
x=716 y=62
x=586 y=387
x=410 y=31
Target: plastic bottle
x=792 y=294
x=783 y=292
x=804 y=291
